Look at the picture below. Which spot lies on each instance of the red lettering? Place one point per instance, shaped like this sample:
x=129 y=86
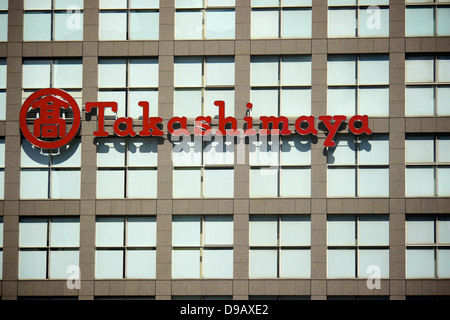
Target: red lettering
x=249 y=121
x=202 y=128
x=128 y=131
x=177 y=132
x=364 y=124
x=223 y=121
x=310 y=129
x=275 y=121
x=332 y=128
x=149 y=124
x=101 y=132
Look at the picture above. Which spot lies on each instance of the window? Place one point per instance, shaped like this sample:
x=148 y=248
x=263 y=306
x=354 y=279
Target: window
x=48 y=247
x=358 y=85
x=280 y=86
x=2 y=88
x=280 y=167
x=129 y=20
x=2 y=168
x=66 y=74
x=127 y=168
x=427 y=86
x=427 y=166
x=358 y=166
x=358 y=18
x=280 y=246
x=203 y=167
x=281 y=19
x=127 y=82
x=125 y=247
x=1 y=247
x=47 y=20
x=427 y=18
x=50 y=174
x=428 y=246
x=202 y=298
x=3 y=20
x=201 y=81
x=358 y=246
x=204 y=19
x=202 y=247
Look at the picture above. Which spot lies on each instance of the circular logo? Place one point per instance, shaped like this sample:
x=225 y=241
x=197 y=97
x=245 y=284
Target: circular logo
x=49 y=128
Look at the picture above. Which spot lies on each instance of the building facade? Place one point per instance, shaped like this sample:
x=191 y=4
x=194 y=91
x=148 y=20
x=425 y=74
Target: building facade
x=243 y=218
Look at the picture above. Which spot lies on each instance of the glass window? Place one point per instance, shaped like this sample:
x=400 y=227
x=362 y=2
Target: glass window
x=433 y=16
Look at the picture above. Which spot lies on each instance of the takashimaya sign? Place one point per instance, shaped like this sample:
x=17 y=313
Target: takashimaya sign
x=52 y=105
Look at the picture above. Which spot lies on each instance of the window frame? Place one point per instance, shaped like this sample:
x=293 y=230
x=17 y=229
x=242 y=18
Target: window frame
x=435 y=5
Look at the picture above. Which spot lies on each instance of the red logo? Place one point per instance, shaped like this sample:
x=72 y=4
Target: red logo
x=50 y=126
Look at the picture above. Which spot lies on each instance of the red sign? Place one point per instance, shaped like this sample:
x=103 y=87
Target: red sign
x=51 y=127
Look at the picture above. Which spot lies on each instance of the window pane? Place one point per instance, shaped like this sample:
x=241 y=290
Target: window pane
x=341 y=23
x=444 y=68
x=186 y=231
x=185 y=264
x=342 y=70
x=373 y=257
x=264 y=151
x=420 y=149
x=420 y=182
x=341 y=182
x=420 y=263
x=374 y=149
x=295 y=102
x=341 y=230
x=264 y=71
x=373 y=22
x=218 y=183
x=142 y=183
x=37 y=26
x=264 y=24
x=419 y=21
x=141 y=264
x=2 y=105
x=144 y=25
x=220 y=24
x=220 y=71
x=68 y=74
x=3 y=26
x=443 y=177
x=143 y=73
x=188 y=25
x=218 y=264
x=444 y=230
x=32 y=264
x=141 y=231
x=110 y=184
x=263 y=231
x=109 y=232
x=188 y=3
x=211 y=96
x=295 y=231
x=111 y=153
x=373 y=69
x=264 y=183
x=443 y=101
x=142 y=152
x=373 y=230
x=188 y=103
x=113 y=26
x=443 y=21
x=295 y=264
x=32 y=156
x=112 y=73
x=221 y=3
x=115 y=96
x=419 y=101
x=265 y=103
x=341 y=263
x=37 y=4
x=263 y=264
x=374 y=101
x=344 y=152
x=443 y=148
x=374 y=182
x=218 y=230
x=188 y=72
x=187 y=151
x=33 y=232
x=34 y=184
x=65 y=184
x=265 y=3
x=295 y=182
x=109 y=264
x=187 y=183
x=65 y=232
x=3 y=73
x=68 y=25
x=113 y=4
x=144 y=4
x=419 y=69
x=443 y=263
x=295 y=150
x=342 y=101
x=297 y=23
x=134 y=97
x=68 y=4
x=60 y=262
x=296 y=70
x=36 y=74
x=420 y=230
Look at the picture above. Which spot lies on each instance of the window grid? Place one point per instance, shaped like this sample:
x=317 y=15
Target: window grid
x=357 y=166
x=4 y=20
x=278 y=247
x=436 y=84
x=281 y=8
x=126 y=168
x=358 y=7
x=125 y=247
x=54 y=12
x=128 y=12
x=202 y=164
x=435 y=5
x=48 y=248
x=356 y=247
x=204 y=9
x=1 y=248
x=436 y=164
x=436 y=245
